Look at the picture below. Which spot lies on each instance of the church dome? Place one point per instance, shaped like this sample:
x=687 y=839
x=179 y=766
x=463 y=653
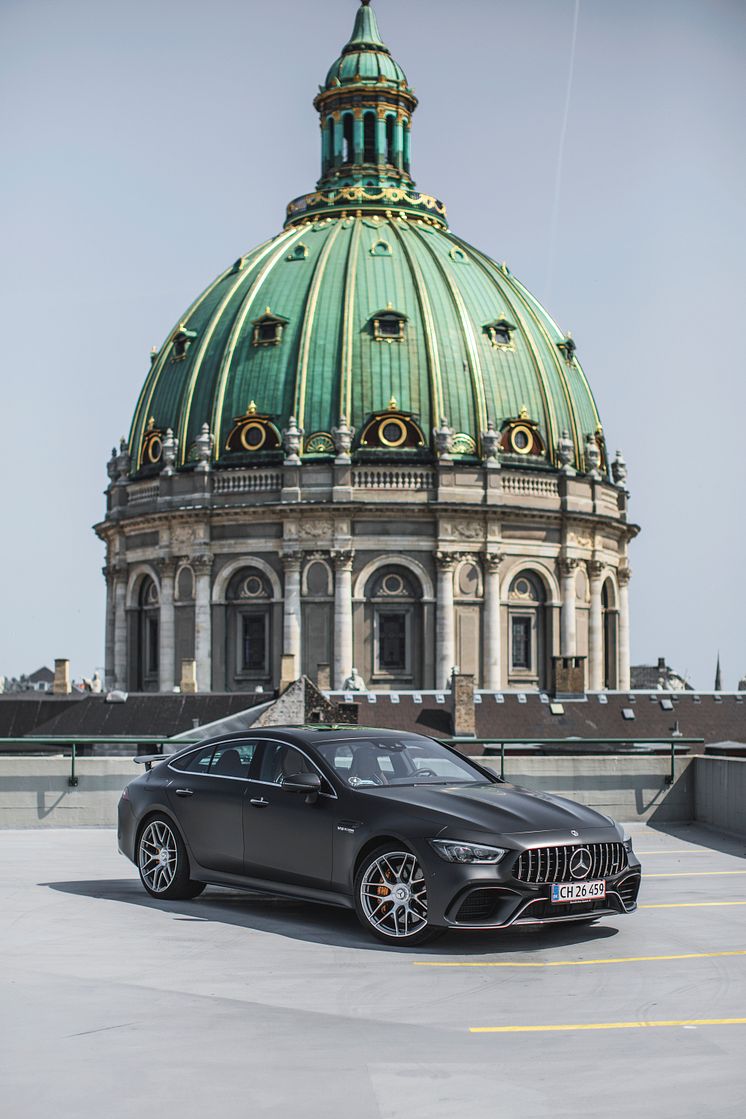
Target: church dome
x=367 y=304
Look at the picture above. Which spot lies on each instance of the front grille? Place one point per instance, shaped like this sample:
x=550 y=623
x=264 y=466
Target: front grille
x=478 y=906
x=552 y=864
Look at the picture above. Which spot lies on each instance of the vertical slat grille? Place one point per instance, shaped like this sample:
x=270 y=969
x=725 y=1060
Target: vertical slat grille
x=552 y=864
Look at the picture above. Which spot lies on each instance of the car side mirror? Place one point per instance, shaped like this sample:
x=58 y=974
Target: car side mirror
x=308 y=783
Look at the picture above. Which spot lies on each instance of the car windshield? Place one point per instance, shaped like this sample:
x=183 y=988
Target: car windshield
x=366 y=762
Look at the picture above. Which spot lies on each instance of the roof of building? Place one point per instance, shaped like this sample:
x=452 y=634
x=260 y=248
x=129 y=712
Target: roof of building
x=472 y=347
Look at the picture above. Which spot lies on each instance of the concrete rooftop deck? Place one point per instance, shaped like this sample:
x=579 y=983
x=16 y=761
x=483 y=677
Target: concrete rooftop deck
x=115 y=1006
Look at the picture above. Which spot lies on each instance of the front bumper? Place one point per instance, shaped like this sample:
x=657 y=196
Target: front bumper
x=490 y=897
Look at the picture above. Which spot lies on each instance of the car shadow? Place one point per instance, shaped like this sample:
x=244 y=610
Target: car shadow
x=703 y=836
x=322 y=924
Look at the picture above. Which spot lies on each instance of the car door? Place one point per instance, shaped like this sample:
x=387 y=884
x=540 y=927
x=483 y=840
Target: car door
x=207 y=799
x=285 y=838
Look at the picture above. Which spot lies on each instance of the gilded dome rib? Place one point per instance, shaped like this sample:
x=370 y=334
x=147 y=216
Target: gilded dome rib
x=301 y=374
x=348 y=321
x=280 y=243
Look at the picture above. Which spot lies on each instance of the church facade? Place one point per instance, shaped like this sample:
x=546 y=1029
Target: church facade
x=367 y=445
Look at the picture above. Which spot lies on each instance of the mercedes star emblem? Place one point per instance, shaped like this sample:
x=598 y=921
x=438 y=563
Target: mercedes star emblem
x=575 y=833
x=580 y=863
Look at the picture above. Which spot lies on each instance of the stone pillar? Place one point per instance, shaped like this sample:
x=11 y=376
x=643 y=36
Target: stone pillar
x=202 y=567
x=595 y=629
x=492 y=626
x=342 y=616
x=568 y=637
x=399 y=143
x=381 y=139
x=108 y=573
x=120 y=628
x=291 y=616
x=445 y=645
x=623 y=577
x=407 y=147
x=357 y=138
x=167 y=627
x=338 y=141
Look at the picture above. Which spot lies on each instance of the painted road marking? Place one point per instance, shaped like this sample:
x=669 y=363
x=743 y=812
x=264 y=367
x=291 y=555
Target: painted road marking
x=575 y=963
x=686 y=904
x=608 y=1025
x=678 y=851
x=694 y=873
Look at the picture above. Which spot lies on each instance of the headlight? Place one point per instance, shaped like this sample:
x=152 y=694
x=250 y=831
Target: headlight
x=626 y=840
x=455 y=852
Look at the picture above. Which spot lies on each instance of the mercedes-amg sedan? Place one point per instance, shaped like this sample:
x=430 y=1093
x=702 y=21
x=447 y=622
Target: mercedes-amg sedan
x=405 y=830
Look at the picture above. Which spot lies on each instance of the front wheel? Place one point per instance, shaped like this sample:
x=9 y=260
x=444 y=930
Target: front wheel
x=391 y=897
x=163 y=863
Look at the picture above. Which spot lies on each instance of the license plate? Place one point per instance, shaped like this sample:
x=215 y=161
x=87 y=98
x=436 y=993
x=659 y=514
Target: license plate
x=578 y=891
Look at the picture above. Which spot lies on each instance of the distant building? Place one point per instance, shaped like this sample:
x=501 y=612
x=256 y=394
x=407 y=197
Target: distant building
x=657 y=677
x=39 y=681
x=367 y=444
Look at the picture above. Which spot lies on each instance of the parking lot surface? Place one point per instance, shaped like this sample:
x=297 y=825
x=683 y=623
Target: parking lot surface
x=113 y=1005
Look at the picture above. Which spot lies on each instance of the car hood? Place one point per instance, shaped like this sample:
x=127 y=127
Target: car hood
x=505 y=809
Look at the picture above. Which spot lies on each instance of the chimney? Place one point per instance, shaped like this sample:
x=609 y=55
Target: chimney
x=661 y=664
x=189 y=676
x=61 y=685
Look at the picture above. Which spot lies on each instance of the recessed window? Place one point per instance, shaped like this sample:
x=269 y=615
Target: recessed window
x=254 y=643
x=500 y=332
x=521 y=642
x=388 y=326
x=268 y=329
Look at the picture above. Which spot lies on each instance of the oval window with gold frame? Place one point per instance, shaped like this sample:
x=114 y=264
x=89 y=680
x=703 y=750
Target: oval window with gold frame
x=521 y=439
x=253 y=436
x=392 y=432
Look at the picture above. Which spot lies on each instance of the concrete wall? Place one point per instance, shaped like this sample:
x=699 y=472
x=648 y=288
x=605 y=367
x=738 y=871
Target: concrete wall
x=34 y=791
x=627 y=788
x=720 y=793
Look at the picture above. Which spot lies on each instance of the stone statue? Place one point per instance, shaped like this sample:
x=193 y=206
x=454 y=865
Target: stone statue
x=204 y=443
x=566 y=452
x=292 y=437
x=111 y=466
x=123 y=462
x=354 y=682
x=592 y=458
x=619 y=471
x=443 y=437
x=343 y=436
x=169 y=452
x=491 y=447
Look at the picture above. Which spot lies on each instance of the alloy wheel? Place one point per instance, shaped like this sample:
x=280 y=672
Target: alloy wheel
x=158 y=856
x=393 y=895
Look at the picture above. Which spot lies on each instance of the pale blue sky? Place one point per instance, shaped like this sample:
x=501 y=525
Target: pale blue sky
x=147 y=144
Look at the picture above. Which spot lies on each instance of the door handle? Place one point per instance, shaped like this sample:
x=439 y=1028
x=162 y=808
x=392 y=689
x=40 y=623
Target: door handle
x=184 y=792
x=259 y=802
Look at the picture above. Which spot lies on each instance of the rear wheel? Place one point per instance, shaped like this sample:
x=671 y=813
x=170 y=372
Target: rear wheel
x=391 y=897
x=163 y=863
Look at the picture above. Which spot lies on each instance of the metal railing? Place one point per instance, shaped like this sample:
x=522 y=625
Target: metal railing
x=35 y=744
x=635 y=746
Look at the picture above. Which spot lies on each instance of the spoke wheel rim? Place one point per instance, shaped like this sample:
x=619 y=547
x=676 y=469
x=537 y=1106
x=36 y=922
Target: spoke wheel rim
x=158 y=856
x=393 y=895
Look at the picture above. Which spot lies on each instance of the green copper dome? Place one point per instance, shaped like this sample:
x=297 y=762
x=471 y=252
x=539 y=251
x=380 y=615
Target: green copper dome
x=367 y=305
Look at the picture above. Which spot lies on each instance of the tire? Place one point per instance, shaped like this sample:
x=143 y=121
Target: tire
x=404 y=922
x=163 y=863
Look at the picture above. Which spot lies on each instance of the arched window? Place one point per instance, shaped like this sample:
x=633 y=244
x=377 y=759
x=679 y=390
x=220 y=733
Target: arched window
x=527 y=630
x=369 y=138
x=148 y=616
x=610 y=620
x=393 y=621
x=390 y=154
x=249 y=628
x=347 y=138
x=329 y=161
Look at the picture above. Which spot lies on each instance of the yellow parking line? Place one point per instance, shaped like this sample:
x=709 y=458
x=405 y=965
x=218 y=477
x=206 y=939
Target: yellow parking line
x=694 y=873
x=574 y=963
x=608 y=1025
x=687 y=904
x=676 y=851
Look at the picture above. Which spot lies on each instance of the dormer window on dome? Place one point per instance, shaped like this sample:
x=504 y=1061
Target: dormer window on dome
x=254 y=431
x=152 y=445
x=500 y=332
x=568 y=347
x=521 y=436
x=181 y=340
x=268 y=329
x=392 y=430
x=389 y=325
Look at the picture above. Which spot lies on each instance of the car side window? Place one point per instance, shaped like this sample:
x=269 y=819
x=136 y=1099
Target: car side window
x=232 y=759
x=280 y=761
x=200 y=762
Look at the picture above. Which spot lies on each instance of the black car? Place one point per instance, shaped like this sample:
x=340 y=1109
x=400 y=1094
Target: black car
x=405 y=830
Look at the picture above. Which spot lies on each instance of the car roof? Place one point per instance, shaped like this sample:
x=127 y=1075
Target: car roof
x=310 y=733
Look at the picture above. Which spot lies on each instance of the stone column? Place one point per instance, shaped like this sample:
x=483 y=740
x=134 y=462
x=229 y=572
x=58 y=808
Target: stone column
x=492 y=626
x=623 y=577
x=202 y=567
x=120 y=627
x=381 y=139
x=292 y=614
x=568 y=634
x=445 y=644
x=342 y=616
x=357 y=138
x=595 y=629
x=167 y=627
x=108 y=574
x=399 y=143
x=338 y=141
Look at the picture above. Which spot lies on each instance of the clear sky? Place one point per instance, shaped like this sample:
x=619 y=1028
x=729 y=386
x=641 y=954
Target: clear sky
x=147 y=143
